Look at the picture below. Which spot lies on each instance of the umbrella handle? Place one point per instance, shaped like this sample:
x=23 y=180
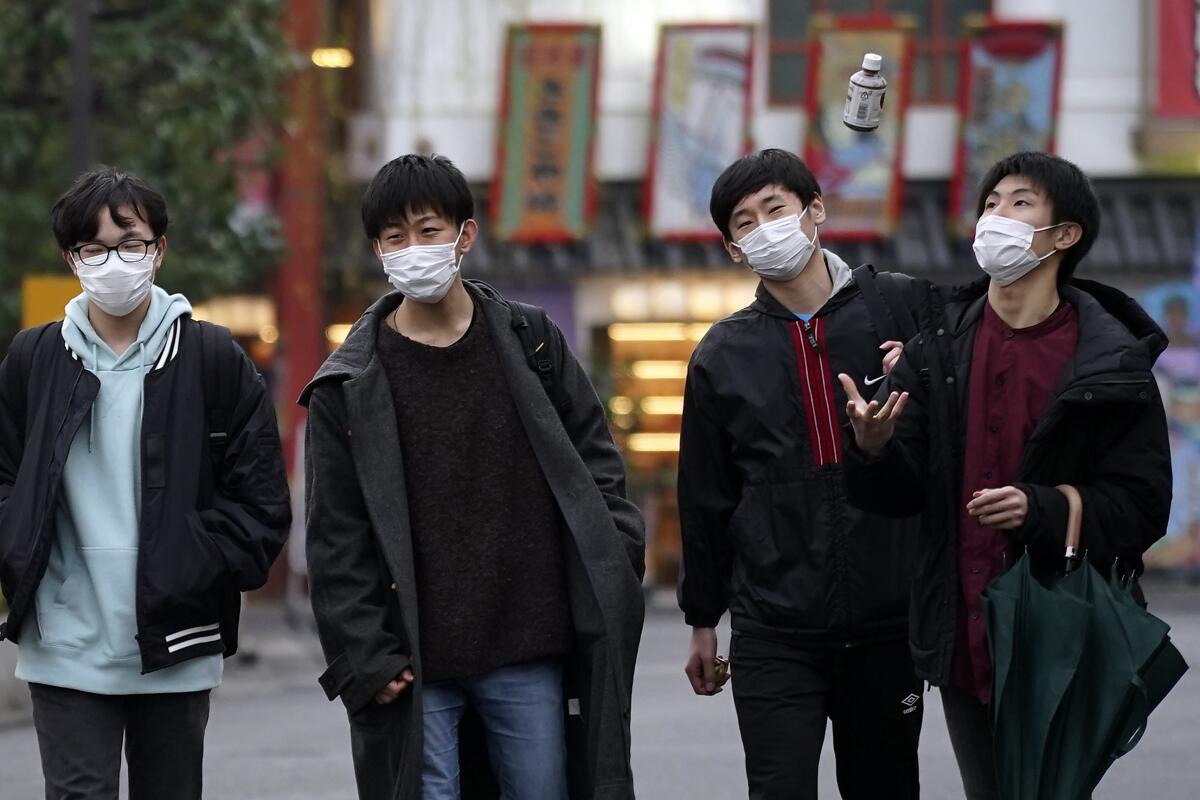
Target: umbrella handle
x=1074 y=523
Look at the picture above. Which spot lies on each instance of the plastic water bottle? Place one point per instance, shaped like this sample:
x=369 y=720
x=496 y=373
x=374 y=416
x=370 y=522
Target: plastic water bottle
x=864 y=97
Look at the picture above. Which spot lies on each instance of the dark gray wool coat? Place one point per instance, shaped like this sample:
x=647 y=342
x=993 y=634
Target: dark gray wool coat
x=362 y=583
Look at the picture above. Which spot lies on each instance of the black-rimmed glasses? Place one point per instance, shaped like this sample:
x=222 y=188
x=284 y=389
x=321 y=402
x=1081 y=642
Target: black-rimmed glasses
x=93 y=254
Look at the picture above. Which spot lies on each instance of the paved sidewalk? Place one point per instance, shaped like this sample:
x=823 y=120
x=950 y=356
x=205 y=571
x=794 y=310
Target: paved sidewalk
x=273 y=736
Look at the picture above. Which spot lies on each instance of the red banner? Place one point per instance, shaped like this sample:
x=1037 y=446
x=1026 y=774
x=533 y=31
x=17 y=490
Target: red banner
x=1178 y=69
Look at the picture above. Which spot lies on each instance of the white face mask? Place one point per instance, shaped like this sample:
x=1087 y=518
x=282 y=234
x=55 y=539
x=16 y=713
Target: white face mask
x=1004 y=247
x=117 y=287
x=778 y=250
x=423 y=272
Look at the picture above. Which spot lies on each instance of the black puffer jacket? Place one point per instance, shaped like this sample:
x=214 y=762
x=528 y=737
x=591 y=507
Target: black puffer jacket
x=768 y=532
x=1104 y=431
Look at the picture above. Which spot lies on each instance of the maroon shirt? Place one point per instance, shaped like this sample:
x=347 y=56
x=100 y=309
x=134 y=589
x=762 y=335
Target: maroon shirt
x=1012 y=375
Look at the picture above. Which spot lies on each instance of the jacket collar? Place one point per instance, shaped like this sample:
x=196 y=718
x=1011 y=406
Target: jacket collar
x=1115 y=332
x=839 y=274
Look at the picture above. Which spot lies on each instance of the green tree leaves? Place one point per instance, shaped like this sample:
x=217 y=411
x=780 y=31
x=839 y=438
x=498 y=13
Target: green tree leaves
x=180 y=87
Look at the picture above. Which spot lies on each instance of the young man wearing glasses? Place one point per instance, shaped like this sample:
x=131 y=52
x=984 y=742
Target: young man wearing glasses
x=142 y=488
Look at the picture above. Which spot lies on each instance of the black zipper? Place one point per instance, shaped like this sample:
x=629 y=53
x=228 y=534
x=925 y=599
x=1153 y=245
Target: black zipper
x=811 y=335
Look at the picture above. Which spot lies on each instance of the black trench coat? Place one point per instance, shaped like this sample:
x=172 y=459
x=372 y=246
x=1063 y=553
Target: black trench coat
x=362 y=583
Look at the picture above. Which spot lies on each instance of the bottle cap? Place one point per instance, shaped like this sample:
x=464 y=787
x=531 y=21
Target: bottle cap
x=872 y=61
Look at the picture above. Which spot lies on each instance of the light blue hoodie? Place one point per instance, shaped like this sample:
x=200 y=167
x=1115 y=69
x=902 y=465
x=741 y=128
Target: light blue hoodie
x=82 y=634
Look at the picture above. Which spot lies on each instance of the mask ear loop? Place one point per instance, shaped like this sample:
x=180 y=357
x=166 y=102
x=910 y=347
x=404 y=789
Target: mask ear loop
x=457 y=257
x=1053 y=250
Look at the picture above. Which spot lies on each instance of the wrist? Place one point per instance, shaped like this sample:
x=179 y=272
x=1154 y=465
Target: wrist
x=873 y=449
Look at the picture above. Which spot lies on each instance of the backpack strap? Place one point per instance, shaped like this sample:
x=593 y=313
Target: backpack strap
x=532 y=327
x=885 y=303
x=219 y=380
x=22 y=352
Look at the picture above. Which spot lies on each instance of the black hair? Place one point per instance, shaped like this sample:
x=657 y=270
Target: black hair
x=1069 y=190
x=414 y=183
x=75 y=216
x=752 y=172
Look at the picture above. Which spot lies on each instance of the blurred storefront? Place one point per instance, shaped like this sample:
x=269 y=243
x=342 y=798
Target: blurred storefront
x=634 y=293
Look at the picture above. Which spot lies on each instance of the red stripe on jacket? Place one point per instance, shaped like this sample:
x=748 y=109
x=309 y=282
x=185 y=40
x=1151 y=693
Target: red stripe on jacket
x=820 y=411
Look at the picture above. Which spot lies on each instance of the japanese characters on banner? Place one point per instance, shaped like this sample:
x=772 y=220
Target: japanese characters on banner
x=1008 y=103
x=859 y=173
x=1177 y=72
x=544 y=190
x=700 y=123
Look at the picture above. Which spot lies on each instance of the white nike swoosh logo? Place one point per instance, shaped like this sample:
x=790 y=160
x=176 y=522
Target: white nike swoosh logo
x=873 y=381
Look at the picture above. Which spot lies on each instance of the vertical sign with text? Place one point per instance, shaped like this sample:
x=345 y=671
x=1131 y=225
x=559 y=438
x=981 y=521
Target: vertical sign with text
x=543 y=190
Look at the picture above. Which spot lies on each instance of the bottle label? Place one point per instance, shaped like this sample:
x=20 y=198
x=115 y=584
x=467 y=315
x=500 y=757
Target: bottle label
x=864 y=107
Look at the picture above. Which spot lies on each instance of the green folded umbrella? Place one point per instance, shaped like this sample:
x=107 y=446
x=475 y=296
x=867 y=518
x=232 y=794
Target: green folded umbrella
x=1035 y=635
x=1152 y=669
x=1078 y=666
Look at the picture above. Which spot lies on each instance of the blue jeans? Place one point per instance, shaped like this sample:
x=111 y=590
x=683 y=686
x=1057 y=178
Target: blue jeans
x=522 y=712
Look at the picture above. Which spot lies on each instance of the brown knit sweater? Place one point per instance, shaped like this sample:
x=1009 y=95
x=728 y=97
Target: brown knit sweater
x=487 y=535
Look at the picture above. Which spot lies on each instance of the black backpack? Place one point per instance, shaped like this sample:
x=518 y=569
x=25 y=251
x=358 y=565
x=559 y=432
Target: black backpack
x=220 y=376
x=890 y=303
x=542 y=352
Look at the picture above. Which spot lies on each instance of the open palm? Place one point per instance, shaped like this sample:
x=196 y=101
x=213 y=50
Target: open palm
x=873 y=426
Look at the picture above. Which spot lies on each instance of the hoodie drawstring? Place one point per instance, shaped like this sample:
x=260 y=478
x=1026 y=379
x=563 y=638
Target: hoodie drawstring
x=141 y=380
x=92 y=423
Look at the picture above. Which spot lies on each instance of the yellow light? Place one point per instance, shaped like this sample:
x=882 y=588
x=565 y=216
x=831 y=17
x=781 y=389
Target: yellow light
x=332 y=57
x=657 y=331
x=668 y=299
x=269 y=334
x=662 y=406
x=631 y=302
x=704 y=301
x=660 y=370
x=336 y=334
x=737 y=296
x=620 y=405
x=647 y=332
x=654 y=442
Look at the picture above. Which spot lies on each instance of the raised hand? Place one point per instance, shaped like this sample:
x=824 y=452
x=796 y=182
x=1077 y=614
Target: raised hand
x=892 y=352
x=873 y=426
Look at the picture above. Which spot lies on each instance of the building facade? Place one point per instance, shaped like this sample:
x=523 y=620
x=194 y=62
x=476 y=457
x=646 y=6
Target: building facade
x=634 y=305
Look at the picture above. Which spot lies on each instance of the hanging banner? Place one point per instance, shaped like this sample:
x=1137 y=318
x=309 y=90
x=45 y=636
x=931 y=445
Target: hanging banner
x=1008 y=102
x=543 y=190
x=1177 y=72
x=859 y=173
x=701 y=123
